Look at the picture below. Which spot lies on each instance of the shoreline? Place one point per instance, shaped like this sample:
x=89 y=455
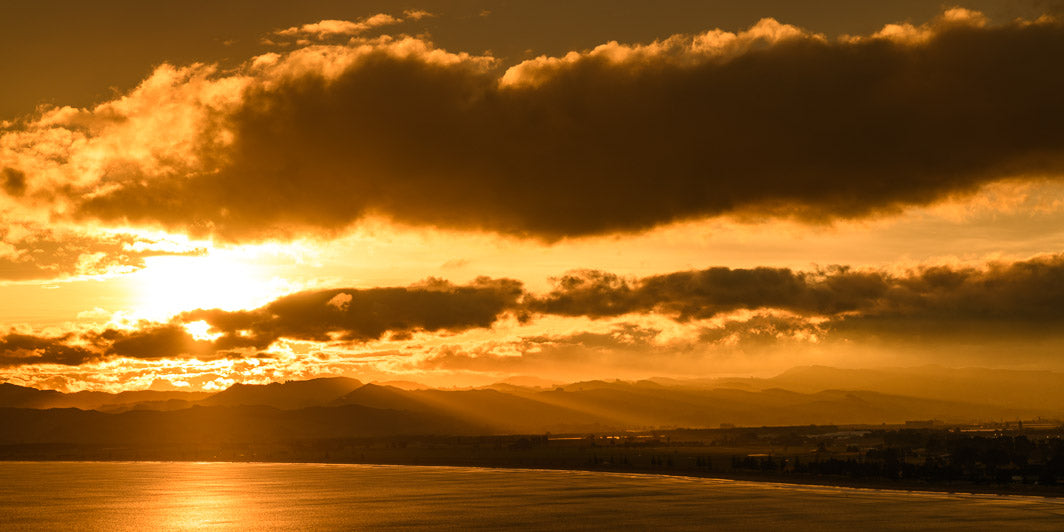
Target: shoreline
x=956 y=488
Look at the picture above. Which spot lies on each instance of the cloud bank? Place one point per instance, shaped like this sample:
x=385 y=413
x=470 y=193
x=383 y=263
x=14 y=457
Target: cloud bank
x=1030 y=291
x=765 y=308
x=772 y=120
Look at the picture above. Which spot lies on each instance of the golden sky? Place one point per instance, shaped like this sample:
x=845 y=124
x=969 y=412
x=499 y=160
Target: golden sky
x=457 y=193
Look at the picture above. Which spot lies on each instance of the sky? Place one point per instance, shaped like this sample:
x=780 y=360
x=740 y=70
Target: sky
x=457 y=193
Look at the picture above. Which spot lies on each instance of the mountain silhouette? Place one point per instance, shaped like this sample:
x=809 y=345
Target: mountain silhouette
x=12 y=395
x=289 y=395
x=488 y=407
x=213 y=425
x=344 y=407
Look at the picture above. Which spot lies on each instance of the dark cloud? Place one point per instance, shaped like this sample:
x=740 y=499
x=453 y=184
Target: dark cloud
x=356 y=315
x=706 y=293
x=999 y=308
x=23 y=349
x=153 y=341
x=1024 y=298
x=147 y=341
x=14 y=182
x=622 y=138
x=1031 y=291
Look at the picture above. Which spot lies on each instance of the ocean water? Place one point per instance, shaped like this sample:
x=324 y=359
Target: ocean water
x=227 y=496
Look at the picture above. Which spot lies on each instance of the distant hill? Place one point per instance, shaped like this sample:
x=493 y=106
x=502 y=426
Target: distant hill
x=504 y=412
x=404 y=385
x=374 y=410
x=600 y=405
x=378 y=396
x=528 y=382
x=216 y=424
x=12 y=395
x=289 y=395
x=1011 y=388
x=1018 y=389
x=801 y=396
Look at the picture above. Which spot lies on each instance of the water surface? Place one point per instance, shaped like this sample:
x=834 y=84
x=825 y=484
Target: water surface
x=175 y=496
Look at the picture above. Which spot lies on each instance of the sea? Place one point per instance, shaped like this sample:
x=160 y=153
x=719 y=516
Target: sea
x=258 y=496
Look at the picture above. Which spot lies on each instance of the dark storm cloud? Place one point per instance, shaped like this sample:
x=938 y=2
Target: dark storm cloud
x=358 y=315
x=620 y=138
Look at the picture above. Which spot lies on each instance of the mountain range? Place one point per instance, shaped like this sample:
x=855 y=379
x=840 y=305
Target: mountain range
x=345 y=407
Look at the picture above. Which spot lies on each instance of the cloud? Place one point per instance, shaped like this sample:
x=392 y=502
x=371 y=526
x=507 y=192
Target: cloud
x=706 y=293
x=359 y=315
x=776 y=317
x=1003 y=309
x=625 y=350
x=152 y=342
x=341 y=301
x=145 y=341
x=1018 y=298
x=25 y=349
x=14 y=182
x=417 y=14
x=762 y=330
x=772 y=120
x=1030 y=291
x=551 y=355
x=717 y=310
x=33 y=252
x=331 y=27
x=1000 y=312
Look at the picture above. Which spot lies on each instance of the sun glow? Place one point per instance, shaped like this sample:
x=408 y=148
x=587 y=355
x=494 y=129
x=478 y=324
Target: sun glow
x=200 y=330
x=225 y=279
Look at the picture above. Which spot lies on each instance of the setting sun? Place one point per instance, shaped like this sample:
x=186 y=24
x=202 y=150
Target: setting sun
x=220 y=279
